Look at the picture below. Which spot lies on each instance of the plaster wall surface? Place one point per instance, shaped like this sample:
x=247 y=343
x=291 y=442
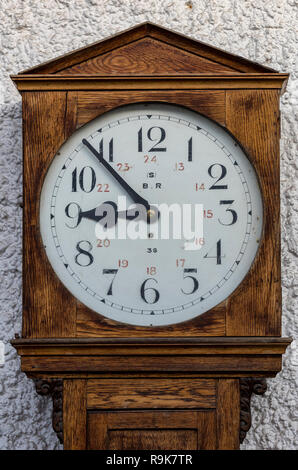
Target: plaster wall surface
x=34 y=31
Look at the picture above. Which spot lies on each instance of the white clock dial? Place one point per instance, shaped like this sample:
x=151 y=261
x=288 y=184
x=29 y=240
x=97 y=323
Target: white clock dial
x=155 y=154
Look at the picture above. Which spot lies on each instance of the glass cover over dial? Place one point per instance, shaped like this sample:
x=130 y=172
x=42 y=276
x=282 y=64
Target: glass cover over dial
x=151 y=214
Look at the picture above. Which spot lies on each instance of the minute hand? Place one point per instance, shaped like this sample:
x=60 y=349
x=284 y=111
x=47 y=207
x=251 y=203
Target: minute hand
x=135 y=196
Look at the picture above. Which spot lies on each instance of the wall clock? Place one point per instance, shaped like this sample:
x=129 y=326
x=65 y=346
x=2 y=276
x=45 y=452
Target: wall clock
x=166 y=155
x=115 y=133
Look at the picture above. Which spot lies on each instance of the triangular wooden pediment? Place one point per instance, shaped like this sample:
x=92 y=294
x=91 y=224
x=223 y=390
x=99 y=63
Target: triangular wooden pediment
x=148 y=49
x=146 y=56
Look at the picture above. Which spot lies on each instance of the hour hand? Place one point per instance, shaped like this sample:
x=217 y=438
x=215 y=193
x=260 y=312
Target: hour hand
x=109 y=215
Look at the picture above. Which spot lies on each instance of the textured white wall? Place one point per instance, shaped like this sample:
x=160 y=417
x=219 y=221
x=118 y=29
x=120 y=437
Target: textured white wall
x=33 y=31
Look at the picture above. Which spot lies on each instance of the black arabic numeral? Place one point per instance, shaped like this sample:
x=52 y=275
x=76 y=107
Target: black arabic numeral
x=74 y=181
x=84 y=254
x=219 y=177
x=140 y=140
x=232 y=211
x=77 y=215
x=190 y=150
x=150 y=136
x=86 y=182
x=195 y=281
x=218 y=255
x=111 y=150
x=114 y=273
x=145 y=290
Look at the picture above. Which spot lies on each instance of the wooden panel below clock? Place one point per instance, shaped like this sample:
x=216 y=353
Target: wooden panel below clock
x=151 y=430
x=151 y=413
x=151 y=393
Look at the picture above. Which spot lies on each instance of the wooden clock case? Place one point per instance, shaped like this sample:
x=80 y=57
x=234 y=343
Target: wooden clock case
x=184 y=386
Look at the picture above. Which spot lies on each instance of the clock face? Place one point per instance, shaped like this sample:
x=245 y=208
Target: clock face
x=151 y=214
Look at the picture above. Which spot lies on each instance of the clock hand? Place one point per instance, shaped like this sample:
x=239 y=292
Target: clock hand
x=93 y=214
x=135 y=196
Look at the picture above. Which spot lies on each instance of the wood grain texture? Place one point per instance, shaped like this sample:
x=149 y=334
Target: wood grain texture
x=157 y=419
x=140 y=356
x=207 y=430
x=151 y=430
x=255 y=307
x=92 y=104
x=122 y=82
x=142 y=431
x=71 y=113
x=146 y=56
x=49 y=309
x=91 y=324
x=228 y=414
x=268 y=365
x=74 y=414
x=151 y=393
x=160 y=439
x=153 y=346
x=97 y=431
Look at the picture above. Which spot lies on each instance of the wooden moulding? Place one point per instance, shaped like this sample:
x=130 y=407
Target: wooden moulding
x=224 y=357
x=143 y=82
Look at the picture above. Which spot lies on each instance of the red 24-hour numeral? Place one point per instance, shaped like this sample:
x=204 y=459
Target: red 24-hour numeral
x=151 y=270
x=208 y=214
x=103 y=188
x=122 y=263
x=179 y=166
x=103 y=243
x=148 y=159
x=123 y=166
x=180 y=262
